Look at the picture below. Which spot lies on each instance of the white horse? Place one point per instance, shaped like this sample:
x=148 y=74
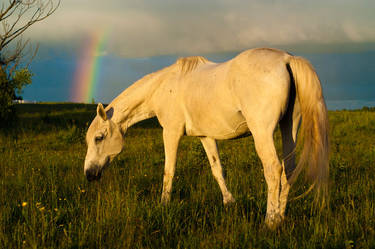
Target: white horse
x=253 y=92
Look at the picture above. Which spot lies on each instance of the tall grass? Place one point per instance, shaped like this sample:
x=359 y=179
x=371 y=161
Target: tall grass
x=46 y=202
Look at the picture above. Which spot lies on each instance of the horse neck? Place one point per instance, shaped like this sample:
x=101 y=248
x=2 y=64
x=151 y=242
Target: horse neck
x=133 y=104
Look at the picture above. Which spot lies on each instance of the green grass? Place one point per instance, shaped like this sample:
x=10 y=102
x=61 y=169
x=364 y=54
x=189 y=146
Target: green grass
x=46 y=202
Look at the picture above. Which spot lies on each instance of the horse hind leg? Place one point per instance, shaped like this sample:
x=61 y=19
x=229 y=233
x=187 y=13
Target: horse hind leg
x=210 y=147
x=265 y=148
x=289 y=126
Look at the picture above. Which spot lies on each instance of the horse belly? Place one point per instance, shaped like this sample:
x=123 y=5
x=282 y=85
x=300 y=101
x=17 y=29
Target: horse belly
x=210 y=108
x=218 y=125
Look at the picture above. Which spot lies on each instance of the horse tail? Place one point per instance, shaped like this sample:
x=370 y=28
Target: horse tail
x=315 y=153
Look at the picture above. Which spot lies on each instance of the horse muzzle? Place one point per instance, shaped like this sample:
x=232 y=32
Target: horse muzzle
x=93 y=174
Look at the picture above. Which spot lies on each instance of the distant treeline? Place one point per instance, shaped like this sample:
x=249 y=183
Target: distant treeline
x=42 y=116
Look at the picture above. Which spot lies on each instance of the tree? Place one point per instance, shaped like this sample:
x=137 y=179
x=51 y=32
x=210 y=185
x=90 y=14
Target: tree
x=16 y=53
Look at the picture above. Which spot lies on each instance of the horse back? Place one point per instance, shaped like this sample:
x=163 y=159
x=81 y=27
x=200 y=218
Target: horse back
x=216 y=99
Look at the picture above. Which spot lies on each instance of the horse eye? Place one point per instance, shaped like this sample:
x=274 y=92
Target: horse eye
x=99 y=138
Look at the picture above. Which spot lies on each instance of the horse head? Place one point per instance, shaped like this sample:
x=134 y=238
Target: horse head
x=104 y=142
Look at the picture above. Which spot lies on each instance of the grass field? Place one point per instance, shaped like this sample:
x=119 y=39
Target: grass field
x=46 y=202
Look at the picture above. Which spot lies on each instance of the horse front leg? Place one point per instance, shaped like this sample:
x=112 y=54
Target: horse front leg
x=171 y=140
x=210 y=147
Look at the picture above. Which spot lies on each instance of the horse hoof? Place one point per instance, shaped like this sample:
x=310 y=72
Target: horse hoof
x=165 y=200
x=228 y=200
x=273 y=221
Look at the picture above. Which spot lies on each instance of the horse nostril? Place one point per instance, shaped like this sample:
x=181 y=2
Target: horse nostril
x=93 y=174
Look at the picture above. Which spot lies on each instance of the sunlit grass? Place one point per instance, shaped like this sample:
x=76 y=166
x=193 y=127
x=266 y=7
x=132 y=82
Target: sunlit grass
x=45 y=201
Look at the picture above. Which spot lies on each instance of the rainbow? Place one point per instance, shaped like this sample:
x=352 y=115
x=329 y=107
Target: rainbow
x=86 y=76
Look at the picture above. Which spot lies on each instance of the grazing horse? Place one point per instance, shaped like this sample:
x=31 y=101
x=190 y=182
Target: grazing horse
x=253 y=92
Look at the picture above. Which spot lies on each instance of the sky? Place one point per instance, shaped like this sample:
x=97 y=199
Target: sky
x=337 y=36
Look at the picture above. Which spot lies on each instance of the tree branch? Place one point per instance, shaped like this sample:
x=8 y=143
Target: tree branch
x=12 y=4
x=38 y=15
x=16 y=17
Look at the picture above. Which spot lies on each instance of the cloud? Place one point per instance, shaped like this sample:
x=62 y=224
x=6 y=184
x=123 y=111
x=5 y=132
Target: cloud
x=156 y=27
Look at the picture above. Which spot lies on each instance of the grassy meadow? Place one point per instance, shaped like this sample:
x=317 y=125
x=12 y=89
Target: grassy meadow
x=46 y=202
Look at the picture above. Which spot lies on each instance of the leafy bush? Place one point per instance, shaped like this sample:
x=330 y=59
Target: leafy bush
x=9 y=88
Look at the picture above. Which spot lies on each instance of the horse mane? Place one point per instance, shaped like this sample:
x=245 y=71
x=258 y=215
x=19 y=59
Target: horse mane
x=189 y=64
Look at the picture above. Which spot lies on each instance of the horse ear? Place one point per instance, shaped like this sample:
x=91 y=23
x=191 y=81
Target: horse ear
x=109 y=113
x=101 y=112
